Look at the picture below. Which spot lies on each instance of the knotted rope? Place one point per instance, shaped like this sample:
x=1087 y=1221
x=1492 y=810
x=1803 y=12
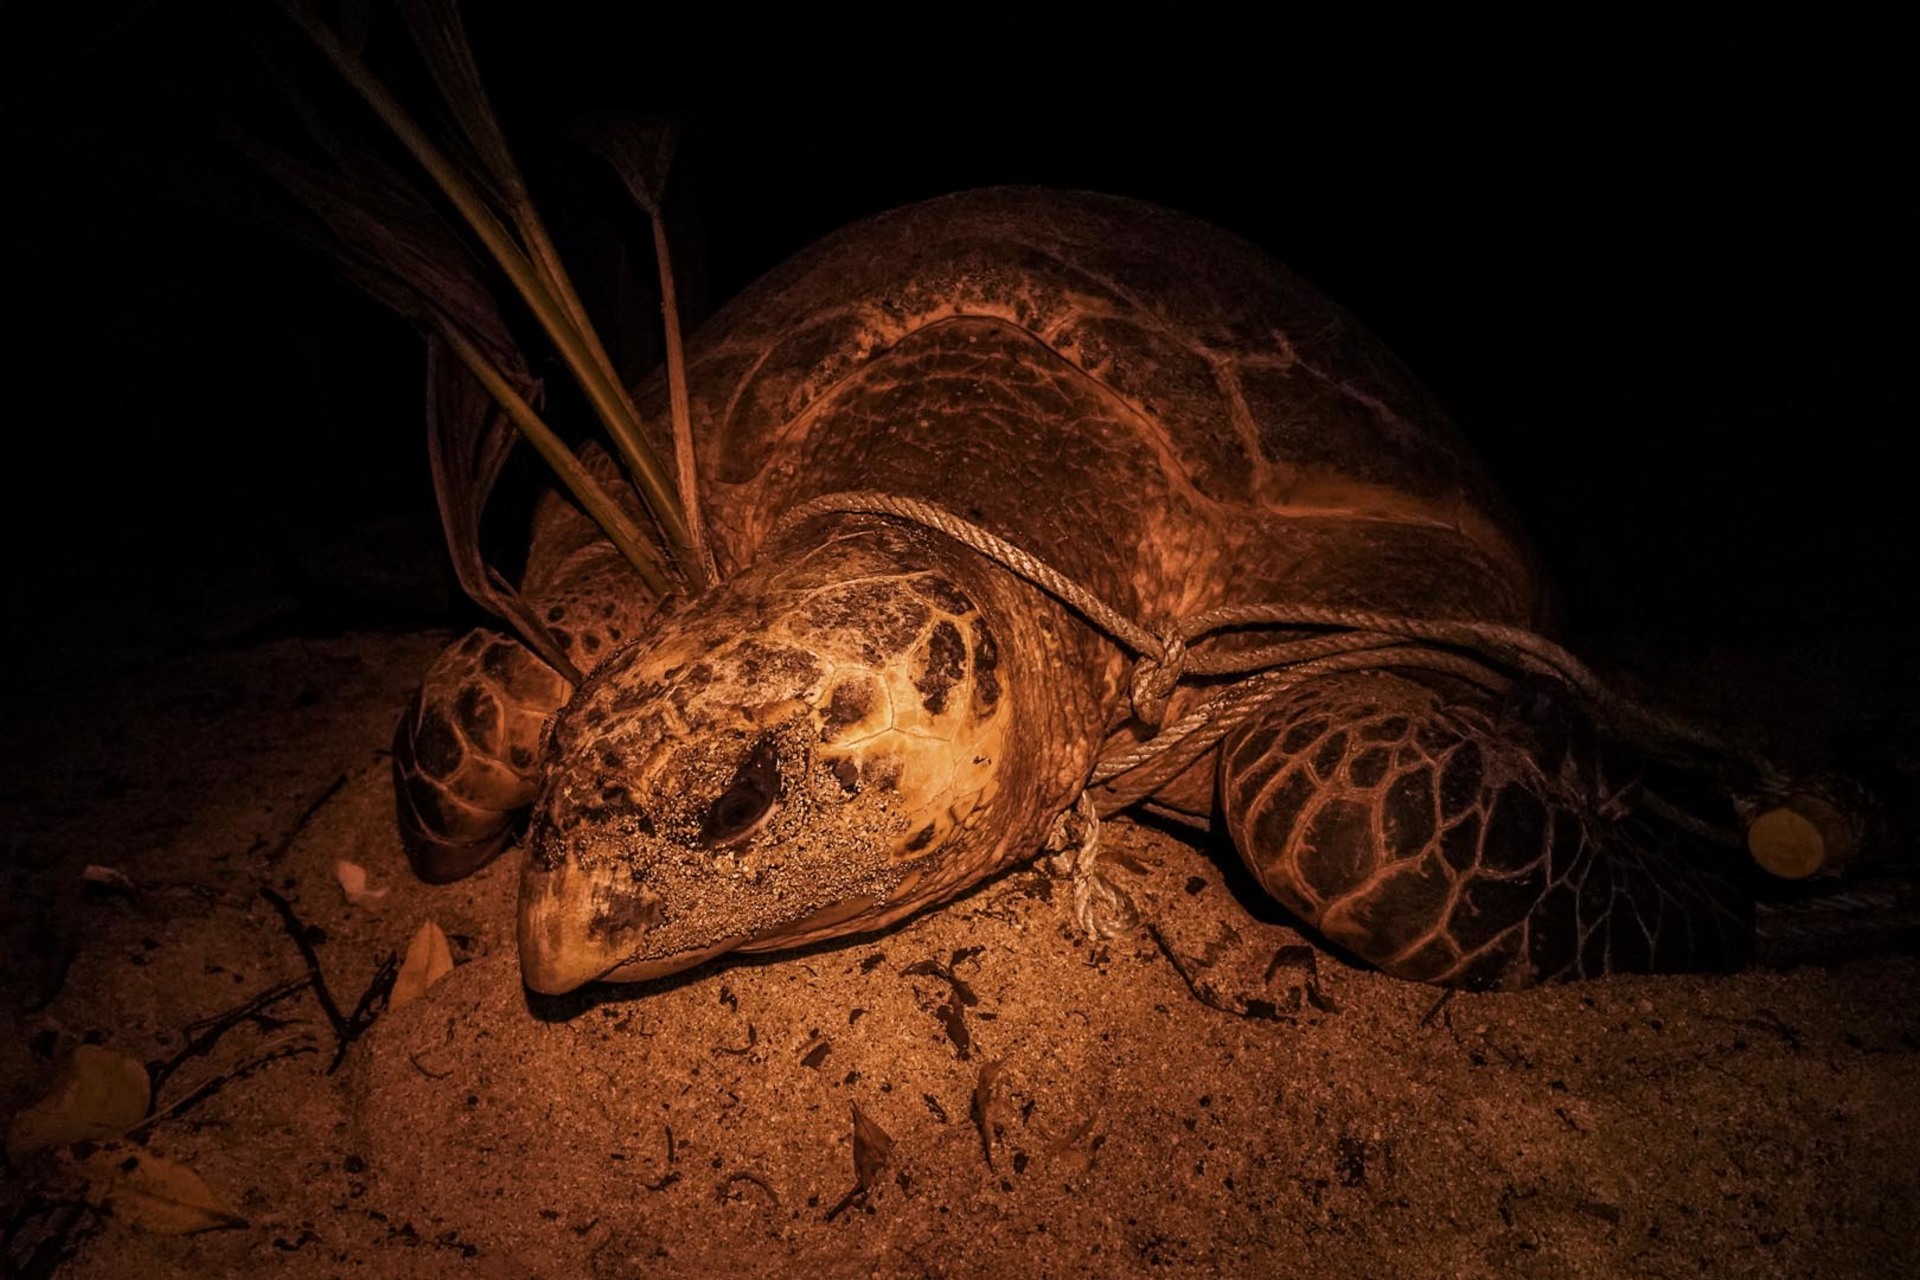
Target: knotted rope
x=1362 y=639
x=1481 y=653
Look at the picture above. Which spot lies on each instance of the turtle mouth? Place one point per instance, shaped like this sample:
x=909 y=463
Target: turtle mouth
x=647 y=970
x=563 y=948
x=577 y=927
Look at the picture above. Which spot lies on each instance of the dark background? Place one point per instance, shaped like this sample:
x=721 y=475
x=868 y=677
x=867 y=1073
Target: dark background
x=1659 y=269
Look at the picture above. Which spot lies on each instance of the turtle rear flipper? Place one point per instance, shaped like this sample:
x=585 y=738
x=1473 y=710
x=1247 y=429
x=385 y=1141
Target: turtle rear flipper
x=1437 y=839
x=466 y=752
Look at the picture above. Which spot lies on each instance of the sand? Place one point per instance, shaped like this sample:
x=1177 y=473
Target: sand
x=1207 y=1095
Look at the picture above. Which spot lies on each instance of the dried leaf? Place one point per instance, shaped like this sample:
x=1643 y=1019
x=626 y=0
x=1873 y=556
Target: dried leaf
x=982 y=1101
x=98 y=1094
x=353 y=882
x=953 y=1019
x=872 y=1148
x=440 y=35
x=725 y=1190
x=107 y=878
x=962 y=990
x=429 y=959
x=639 y=150
x=753 y=1038
x=154 y=1193
x=468 y=440
x=533 y=268
x=391 y=241
x=396 y=248
x=1072 y=1156
x=952 y=1014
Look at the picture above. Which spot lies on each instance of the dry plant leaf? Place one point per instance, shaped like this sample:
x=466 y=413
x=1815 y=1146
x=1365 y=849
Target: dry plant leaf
x=872 y=1148
x=1071 y=1151
x=106 y=878
x=153 y=1193
x=353 y=882
x=98 y=1094
x=981 y=1108
x=429 y=959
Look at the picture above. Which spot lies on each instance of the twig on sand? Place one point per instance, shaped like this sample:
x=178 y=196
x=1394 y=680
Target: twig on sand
x=290 y=1045
x=285 y=842
x=205 y=1033
x=345 y=1029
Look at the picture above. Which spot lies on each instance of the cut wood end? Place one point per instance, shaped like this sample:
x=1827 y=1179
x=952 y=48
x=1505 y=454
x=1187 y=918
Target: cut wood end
x=1799 y=838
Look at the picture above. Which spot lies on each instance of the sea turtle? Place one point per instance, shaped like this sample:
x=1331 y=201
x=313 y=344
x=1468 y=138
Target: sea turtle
x=867 y=717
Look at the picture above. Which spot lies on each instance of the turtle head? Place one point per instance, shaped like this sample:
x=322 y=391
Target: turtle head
x=814 y=748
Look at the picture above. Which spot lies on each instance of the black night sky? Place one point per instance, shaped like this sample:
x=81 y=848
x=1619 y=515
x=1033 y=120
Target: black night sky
x=1659 y=270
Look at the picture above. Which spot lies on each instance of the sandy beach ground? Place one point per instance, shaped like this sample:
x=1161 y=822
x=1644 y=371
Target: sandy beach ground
x=1208 y=1095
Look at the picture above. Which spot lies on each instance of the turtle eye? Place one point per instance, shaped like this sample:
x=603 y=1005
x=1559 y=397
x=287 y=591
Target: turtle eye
x=748 y=799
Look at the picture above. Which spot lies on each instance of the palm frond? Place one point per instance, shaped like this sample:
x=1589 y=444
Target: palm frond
x=397 y=248
x=642 y=155
x=541 y=289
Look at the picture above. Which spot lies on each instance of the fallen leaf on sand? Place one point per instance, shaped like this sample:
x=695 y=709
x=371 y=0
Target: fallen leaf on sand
x=153 y=1193
x=110 y=878
x=429 y=959
x=353 y=882
x=1071 y=1151
x=982 y=1102
x=872 y=1148
x=98 y=1094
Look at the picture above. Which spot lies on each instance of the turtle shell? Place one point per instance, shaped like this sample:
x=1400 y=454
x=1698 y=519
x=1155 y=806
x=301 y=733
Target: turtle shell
x=1144 y=402
x=1150 y=403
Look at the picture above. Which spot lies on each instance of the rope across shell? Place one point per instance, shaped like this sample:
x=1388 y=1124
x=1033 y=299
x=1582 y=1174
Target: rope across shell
x=1480 y=653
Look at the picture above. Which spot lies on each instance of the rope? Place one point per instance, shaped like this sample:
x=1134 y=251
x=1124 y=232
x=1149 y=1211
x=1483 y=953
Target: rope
x=1362 y=639
x=1139 y=772
x=1103 y=908
x=1041 y=574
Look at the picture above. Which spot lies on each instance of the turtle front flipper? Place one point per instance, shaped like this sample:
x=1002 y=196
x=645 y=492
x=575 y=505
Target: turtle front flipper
x=466 y=753
x=1442 y=841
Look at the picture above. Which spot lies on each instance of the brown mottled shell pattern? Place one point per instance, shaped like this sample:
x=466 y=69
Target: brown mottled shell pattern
x=1152 y=404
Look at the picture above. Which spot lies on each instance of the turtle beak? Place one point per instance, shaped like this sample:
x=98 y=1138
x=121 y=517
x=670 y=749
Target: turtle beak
x=562 y=946
x=578 y=926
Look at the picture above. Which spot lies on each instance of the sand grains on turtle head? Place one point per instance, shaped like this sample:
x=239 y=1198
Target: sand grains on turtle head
x=802 y=754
